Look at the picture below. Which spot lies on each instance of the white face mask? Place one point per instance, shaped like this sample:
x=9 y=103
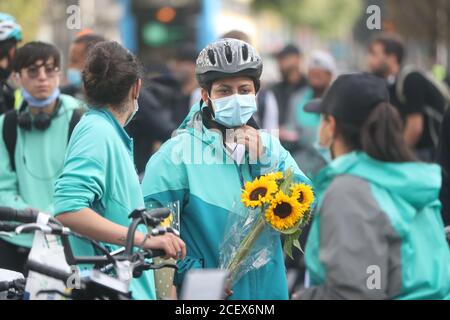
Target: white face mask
x=136 y=109
x=235 y=110
x=324 y=150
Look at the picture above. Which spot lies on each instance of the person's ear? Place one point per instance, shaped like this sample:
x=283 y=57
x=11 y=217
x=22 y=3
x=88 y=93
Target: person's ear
x=136 y=89
x=205 y=96
x=331 y=126
x=11 y=52
x=16 y=79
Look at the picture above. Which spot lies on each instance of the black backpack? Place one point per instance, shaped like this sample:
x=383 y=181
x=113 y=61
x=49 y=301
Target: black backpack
x=10 y=131
x=433 y=114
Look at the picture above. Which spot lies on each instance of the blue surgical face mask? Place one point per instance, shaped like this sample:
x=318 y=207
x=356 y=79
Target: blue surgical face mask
x=136 y=109
x=40 y=103
x=324 y=152
x=235 y=110
x=74 y=77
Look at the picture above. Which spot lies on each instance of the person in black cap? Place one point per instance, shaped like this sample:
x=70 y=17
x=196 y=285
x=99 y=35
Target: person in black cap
x=290 y=60
x=378 y=233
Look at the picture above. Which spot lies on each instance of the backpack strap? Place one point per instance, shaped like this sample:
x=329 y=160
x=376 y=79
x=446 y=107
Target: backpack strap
x=10 y=135
x=76 y=116
x=10 y=132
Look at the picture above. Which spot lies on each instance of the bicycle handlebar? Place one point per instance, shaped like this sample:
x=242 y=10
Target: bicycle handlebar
x=151 y=218
x=8 y=226
x=24 y=216
x=95 y=285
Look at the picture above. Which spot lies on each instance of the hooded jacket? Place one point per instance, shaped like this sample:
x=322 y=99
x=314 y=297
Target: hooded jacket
x=193 y=168
x=378 y=233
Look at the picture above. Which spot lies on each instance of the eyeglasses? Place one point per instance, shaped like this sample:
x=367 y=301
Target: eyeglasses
x=33 y=71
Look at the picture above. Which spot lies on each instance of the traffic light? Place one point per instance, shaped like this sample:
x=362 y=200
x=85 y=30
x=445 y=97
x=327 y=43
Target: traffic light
x=163 y=27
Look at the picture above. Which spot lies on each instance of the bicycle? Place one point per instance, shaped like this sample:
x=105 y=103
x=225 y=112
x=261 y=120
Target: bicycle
x=124 y=263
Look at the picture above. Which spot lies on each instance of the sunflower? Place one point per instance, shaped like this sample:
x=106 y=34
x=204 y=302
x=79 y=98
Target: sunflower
x=258 y=192
x=274 y=175
x=284 y=212
x=303 y=194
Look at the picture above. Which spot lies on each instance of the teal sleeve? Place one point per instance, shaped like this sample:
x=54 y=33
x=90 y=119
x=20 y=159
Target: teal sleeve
x=80 y=185
x=83 y=180
x=165 y=177
x=9 y=188
x=166 y=181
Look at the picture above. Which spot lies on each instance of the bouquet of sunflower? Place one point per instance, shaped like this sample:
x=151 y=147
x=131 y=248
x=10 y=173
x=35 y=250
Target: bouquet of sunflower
x=274 y=204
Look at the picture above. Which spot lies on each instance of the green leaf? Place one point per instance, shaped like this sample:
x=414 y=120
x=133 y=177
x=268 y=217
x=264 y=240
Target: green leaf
x=298 y=245
x=287 y=182
x=287 y=248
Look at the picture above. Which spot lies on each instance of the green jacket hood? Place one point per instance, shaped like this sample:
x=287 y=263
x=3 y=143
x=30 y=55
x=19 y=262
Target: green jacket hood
x=415 y=182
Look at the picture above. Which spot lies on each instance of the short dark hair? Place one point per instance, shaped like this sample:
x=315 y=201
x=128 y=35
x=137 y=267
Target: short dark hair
x=34 y=51
x=288 y=50
x=89 y=41
x=236 y=34
x=392 y=44
x=5 y=46
x=186 y=52
x=109 y=73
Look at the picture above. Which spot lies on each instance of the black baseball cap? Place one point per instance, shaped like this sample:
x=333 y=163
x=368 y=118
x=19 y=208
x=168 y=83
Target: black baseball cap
x=351 y=98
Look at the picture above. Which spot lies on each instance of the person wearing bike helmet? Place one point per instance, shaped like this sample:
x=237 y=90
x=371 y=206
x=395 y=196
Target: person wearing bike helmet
x=205 y=166
x=99 y=186
x=10 y=35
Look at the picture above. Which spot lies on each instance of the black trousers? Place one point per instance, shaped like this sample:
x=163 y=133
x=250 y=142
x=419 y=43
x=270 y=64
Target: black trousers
x=13 y=257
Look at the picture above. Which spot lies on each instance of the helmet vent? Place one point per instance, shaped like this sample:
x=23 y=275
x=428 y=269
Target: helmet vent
x=245 y=52
x=211 y=57
x=228 y=54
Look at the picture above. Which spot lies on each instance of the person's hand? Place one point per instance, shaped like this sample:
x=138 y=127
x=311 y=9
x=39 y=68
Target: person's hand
x=173 y=246
x=251 y=139
x=228 y=291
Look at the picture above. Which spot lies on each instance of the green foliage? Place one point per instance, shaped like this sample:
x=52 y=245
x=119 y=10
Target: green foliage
x=27 y=13
x=329 y=18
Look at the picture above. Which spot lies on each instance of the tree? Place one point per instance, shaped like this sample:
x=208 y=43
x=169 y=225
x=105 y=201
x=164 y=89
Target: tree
x=424 y=20
x=27 y=15
x=328 y=18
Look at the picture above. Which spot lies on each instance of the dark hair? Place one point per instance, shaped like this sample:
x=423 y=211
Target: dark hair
x=34 y=51
x=289 y=50
x=5 y=46
x=392 y=44
x=187 y=52
x=89 y=41
x=256 y=83
x=236 y=34
x=381 y=135
x=110 y=72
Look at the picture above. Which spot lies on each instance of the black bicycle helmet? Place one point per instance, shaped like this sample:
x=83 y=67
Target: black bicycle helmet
x=228 y=57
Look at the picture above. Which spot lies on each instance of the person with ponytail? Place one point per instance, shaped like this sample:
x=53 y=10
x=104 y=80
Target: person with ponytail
x=378 y=232
x=99 y=185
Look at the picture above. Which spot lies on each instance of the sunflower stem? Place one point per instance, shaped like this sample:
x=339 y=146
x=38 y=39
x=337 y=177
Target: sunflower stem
x=245 y=247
